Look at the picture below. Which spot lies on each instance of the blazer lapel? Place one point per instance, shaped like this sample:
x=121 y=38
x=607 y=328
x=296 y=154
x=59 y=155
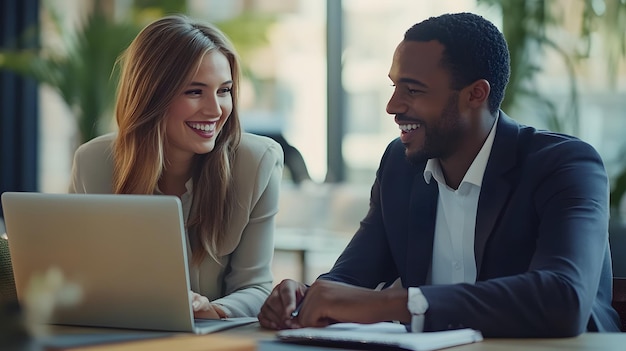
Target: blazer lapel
x=495 y=187
x=421 y=230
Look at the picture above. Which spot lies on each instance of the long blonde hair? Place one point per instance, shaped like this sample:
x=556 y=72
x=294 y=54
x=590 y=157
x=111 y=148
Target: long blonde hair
x=155 y=68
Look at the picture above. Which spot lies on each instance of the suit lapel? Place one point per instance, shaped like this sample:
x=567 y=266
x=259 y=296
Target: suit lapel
x=495 y=187
x=421 y=229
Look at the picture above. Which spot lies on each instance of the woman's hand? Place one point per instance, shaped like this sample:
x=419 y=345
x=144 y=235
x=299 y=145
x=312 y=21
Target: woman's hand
x=203 y=308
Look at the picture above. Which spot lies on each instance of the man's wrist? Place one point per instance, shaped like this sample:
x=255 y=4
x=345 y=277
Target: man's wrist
x=417 y=305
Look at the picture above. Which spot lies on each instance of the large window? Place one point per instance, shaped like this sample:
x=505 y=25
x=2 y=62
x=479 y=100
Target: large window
x=285 y=87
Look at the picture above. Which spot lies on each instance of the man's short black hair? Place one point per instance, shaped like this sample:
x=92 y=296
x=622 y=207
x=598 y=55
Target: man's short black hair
x=473 y=49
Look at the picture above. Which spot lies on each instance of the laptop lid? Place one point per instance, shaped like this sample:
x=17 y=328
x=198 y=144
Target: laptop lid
x=127 y=253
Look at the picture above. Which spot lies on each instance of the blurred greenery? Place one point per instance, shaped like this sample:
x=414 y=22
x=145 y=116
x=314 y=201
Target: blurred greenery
x=526 y=25
x=80 y=71
x=248 y=32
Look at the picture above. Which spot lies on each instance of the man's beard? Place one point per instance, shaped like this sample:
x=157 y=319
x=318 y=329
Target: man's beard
x=442 y=137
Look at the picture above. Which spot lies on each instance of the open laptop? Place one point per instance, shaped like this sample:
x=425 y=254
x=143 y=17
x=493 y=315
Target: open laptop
x=126 y=253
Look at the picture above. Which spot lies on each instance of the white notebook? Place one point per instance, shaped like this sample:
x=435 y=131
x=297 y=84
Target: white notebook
x=383 y=334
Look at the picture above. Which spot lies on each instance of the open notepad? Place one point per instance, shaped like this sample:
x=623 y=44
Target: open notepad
x=379 y=334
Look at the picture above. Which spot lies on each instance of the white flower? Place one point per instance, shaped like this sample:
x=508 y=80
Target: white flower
x=44 y=293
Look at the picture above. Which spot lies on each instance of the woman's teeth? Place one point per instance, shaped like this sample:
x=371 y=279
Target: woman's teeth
x=203 y=127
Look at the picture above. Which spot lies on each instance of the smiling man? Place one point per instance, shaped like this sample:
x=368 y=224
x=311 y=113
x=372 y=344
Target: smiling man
x=486 y=223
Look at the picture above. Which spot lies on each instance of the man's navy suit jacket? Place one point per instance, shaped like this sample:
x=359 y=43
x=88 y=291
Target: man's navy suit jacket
x=541 y=239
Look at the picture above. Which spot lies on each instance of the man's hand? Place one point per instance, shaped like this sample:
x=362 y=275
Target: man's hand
x=276 y=311
x=330 y=302
x=203 y=308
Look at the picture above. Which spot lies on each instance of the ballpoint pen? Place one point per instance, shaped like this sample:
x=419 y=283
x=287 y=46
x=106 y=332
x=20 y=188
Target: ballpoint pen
x=295 y=312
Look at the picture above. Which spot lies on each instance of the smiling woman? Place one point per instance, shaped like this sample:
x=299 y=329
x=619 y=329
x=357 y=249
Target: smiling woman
x=179 y=135
x=197 y=115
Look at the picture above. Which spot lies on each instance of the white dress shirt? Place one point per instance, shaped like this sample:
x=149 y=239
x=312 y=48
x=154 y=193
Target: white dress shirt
x=453 y=245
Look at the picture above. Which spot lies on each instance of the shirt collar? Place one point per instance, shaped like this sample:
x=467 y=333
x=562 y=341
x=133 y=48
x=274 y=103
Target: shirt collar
x=476 y=170
x=188 y=187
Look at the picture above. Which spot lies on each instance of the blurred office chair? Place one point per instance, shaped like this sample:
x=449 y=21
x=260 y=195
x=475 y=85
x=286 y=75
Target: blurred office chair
x=617 y=242
x=294 y=161
x=7 y=283
x=271 y=124
x=619 y=299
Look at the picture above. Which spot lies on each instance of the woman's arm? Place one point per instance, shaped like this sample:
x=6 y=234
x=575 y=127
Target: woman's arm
x=248 y=279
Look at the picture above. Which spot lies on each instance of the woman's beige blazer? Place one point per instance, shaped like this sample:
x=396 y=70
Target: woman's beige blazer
x=243 y=280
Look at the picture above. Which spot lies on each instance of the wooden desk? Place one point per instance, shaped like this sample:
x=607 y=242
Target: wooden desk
x=210 y=342
x=252 y=337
